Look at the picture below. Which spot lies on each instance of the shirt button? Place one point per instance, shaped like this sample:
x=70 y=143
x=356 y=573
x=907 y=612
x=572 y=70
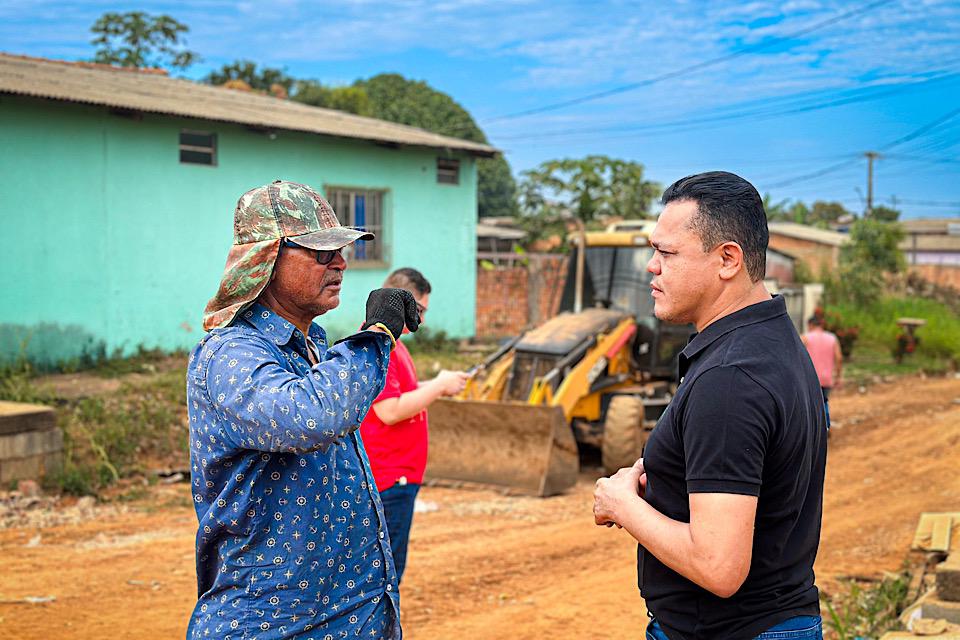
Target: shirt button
x=381 y=535
x=389 y=587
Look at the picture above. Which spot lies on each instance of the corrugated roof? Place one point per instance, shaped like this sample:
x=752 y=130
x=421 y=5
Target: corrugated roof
x=498 y=232
x=928 y=225
x=156 y=93
x=804 y=232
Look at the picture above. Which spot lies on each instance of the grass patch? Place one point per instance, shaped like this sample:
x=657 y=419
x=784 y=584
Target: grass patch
x=859 y=611
x=18 y=384
x=938 y=349
x=111 y=437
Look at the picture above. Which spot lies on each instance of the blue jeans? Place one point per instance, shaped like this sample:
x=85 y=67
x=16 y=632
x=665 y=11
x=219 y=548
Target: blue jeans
x=398 y=503
x=826 y=403
x=798 y=628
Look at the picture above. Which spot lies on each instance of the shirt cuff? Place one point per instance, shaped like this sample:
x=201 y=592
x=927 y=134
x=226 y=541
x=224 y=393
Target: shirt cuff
x=738 y=487
x=393 y=341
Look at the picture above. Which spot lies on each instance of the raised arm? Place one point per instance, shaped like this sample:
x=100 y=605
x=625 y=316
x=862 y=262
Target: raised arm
x=269 y=408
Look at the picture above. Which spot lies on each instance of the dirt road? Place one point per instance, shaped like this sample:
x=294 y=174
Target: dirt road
x=483 y=565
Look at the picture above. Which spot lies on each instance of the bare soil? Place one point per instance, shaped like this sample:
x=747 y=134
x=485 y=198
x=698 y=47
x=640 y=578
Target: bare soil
x=485 y=565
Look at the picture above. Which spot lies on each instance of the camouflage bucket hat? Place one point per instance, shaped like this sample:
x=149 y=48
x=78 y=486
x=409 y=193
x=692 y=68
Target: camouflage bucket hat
x=263 y=218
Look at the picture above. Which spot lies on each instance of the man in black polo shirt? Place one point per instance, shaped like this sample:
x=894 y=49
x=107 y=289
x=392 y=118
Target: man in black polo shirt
x=726 y=501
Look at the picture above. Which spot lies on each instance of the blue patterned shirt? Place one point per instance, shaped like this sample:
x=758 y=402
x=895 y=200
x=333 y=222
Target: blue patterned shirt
x=292 y=539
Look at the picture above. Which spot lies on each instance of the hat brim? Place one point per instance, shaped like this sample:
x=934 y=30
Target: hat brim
x=331 y=239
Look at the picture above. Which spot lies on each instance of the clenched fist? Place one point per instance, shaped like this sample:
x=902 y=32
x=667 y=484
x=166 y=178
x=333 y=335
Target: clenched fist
x=393 y=308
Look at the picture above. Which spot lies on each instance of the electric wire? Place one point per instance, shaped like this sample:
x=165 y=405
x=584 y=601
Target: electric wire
x=704 y=64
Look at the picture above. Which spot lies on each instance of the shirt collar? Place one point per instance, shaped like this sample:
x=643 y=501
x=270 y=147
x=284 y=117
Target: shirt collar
x=269 y=323
x=278 y=330
x=758 y=312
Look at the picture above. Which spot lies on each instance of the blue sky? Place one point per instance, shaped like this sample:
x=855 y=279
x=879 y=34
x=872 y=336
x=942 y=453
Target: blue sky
x=799 y=98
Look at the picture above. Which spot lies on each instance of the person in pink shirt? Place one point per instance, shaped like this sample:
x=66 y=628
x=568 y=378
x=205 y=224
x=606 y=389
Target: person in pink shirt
x=394 y=431
x=824 y=349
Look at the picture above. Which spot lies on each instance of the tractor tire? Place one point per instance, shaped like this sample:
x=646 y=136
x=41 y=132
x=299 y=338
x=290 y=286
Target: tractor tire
x=623 y=433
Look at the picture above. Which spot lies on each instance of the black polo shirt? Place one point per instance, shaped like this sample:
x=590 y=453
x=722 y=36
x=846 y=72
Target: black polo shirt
x=748 y=419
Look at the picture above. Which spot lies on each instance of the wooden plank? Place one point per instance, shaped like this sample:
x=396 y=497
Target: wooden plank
x=940 y=537
x=923 y=537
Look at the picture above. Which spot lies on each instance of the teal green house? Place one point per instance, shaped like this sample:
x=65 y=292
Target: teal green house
x=119 y=188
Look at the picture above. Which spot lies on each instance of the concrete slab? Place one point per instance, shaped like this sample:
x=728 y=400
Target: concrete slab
x=30 y=443
x=948 y=578
x=31 y=468
x=19 y=417
x=934 y=607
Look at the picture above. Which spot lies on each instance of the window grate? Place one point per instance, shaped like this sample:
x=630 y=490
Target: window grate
x=362 y=209
x=448 y=171
x=198 y=147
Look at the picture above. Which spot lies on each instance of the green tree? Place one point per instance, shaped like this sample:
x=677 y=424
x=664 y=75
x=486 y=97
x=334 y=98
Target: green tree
x=351 y=99
x=799 y=213
x=824 y=213
x=885 y=214
x=137 y=39
x=246 y=71
x=775 y=210
x=589 y=187
x=397 y=99
x=872 y=253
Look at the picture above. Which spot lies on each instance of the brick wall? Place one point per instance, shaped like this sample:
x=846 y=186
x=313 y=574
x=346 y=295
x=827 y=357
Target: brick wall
x=513 y=296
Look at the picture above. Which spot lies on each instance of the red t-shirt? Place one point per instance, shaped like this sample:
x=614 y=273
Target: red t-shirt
x=399 y=449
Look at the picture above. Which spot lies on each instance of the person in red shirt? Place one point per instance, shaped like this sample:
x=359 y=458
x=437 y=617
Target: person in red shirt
x=394 y=432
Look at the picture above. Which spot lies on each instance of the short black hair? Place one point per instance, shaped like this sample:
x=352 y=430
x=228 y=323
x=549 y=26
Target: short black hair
x=409 y=279
x=728 y=209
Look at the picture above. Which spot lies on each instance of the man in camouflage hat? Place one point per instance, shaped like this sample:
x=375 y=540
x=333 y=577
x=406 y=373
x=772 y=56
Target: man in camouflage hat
x=292 y=539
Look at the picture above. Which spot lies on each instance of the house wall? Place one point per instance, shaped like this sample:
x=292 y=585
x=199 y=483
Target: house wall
x=113 y=243
x=816 y=256
x=945 y=275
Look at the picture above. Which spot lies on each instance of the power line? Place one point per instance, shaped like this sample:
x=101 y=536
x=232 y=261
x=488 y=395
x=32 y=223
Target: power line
x=799 y=106
x=928 y=203
x=913 y=135
x=693 y=67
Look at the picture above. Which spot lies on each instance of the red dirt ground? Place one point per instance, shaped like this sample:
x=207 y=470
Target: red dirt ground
x=484 y=565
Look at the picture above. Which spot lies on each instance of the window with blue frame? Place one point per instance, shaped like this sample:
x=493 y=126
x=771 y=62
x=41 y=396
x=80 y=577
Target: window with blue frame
x=362 y=209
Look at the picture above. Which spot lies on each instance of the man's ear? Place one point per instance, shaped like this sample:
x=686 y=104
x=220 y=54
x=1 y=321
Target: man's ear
x=731 y=256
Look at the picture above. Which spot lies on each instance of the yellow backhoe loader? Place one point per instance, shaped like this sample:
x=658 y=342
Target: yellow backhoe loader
x=598 y=375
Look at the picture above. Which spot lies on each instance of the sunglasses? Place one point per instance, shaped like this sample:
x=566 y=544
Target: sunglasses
x=324 y=256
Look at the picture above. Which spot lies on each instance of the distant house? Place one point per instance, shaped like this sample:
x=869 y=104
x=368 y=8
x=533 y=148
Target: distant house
x=119 y=189
x=817 y=249
x=932 y=249
x=497 y=235
x=931 y=241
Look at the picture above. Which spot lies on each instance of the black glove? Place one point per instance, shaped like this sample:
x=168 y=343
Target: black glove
x=393 y=308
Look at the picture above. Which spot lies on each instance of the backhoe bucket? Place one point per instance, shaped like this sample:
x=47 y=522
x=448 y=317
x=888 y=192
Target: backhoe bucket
x=528 y=449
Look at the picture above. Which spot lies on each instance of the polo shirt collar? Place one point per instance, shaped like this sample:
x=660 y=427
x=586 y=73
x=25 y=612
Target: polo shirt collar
x=759 y=312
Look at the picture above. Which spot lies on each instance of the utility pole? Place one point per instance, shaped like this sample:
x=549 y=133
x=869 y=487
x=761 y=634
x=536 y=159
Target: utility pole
x=871 y=156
